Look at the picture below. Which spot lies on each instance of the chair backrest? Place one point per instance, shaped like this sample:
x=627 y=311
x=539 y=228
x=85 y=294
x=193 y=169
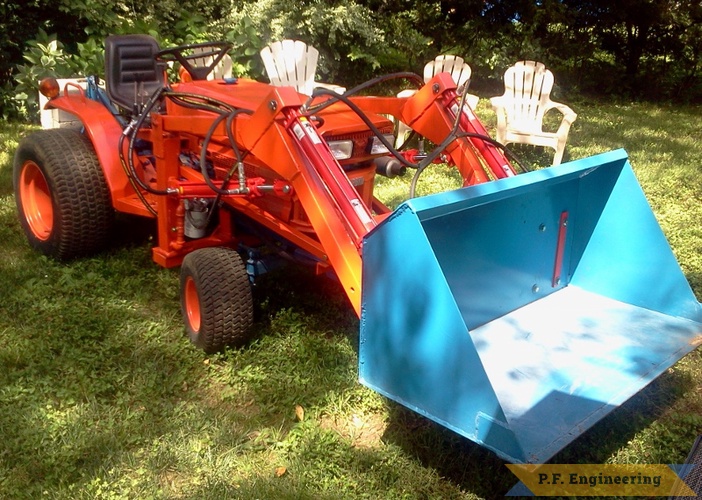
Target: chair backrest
x=528 y=86
x=132 y=74
x=460 y=71
x=223 y=69
x=291 y=63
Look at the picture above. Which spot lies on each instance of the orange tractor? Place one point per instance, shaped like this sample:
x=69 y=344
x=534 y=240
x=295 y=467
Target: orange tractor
x=517 y=310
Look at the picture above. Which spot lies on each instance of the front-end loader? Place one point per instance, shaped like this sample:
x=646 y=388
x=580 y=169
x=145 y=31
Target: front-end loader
x=517 y=310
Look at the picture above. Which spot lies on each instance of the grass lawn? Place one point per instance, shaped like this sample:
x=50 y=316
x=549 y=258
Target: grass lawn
x=102 y=396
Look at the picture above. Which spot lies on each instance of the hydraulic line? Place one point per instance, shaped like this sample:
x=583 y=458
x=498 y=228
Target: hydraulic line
x=195 y=101
x=508 y=152
x=414 y=77
x=452 y=136
x=440 y=148
x=220 y=191
x=421 y=165
x=237 y=166
x=134 y=185
x=198 y=102
x=344 y=98
x=133 y=129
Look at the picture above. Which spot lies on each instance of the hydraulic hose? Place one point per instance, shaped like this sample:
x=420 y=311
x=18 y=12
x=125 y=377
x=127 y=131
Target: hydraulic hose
x=134 y=130
x=508 y=152
x=440 y=148
x=131 y=179
x=452 y=136
x=345 y=99
x=220 y=191
x=414 y=77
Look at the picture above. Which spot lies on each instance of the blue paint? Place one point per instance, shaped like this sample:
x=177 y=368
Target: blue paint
x=461 y=321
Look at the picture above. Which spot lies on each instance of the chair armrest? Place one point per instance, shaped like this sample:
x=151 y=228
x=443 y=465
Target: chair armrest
x=498 y=102
x=500 y=108
x=330 y=86
x=407 y=93
x=472 y=100
x=569 y=117
x=568 y=114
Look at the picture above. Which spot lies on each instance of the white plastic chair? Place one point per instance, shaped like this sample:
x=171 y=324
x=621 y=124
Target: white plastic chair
x=459 y=69
x=460 y=72
x=521 y=109
x=293 y=63
x=223 y=68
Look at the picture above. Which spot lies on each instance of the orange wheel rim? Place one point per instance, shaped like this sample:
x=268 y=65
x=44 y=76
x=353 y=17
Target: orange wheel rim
x=192 y=304
x=35 y=197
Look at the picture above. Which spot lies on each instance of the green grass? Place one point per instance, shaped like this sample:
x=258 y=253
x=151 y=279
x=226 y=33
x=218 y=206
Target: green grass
x=101 y=395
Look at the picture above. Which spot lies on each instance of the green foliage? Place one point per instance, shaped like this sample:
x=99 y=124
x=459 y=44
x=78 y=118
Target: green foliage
x=352 y=42
x=247 y=44
x=593 y=47
x=103 y=16
x=190 y=28
x=45 y=57
x=90 y=58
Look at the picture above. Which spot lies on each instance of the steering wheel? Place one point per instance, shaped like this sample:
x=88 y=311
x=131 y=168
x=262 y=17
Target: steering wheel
x=180 y=53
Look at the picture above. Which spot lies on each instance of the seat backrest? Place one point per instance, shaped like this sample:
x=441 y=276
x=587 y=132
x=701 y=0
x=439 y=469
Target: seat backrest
x=460 y=71
x=291 y=63
x=132 y=74
x=528 y=87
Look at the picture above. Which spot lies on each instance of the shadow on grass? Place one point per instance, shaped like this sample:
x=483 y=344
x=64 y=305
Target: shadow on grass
x=131 y=230
x=479 y=471
x=467 y=465
x=695 y=280
x=320 y=299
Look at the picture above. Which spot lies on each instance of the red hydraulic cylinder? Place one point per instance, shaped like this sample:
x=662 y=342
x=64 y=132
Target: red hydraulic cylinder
x=356 y=215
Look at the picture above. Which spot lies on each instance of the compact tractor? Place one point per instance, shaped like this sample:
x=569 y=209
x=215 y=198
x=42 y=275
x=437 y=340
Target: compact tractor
x=517 y=310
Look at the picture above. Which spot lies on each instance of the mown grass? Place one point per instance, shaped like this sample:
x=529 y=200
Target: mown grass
x=101 y=395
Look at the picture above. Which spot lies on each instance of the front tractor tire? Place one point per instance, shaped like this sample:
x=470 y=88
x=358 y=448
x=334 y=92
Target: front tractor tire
x=216 y=299
x=63 y=201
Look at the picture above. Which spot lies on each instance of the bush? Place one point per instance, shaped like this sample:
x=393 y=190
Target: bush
x=354 y=45
x=44 y=57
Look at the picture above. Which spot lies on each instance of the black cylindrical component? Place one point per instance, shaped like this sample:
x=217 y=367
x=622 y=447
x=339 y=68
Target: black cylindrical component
x=389 y=167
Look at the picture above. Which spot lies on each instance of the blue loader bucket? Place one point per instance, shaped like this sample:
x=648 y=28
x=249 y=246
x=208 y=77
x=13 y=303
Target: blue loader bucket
x=520 y=312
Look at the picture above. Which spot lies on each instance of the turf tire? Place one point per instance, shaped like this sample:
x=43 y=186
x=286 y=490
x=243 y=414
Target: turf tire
x=216 y=299
x=62 y=198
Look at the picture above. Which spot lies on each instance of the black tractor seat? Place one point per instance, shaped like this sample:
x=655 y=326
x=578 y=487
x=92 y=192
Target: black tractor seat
x=132 y=74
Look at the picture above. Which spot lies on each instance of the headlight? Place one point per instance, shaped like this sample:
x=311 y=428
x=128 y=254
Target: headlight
x=377 y=147
x=342 y=150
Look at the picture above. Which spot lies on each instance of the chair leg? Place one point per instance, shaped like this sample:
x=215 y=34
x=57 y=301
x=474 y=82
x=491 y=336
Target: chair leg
x=560 y=149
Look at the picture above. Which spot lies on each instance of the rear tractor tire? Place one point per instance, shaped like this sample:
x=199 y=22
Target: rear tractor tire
x=216 y=299
x=63 y=201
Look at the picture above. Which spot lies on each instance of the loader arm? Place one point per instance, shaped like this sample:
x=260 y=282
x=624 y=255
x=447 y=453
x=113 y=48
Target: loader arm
x=278 y=134
x=432 y=112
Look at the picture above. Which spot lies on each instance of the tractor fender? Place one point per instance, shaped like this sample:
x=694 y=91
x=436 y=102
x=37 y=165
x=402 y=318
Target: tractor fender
x=104 y=132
